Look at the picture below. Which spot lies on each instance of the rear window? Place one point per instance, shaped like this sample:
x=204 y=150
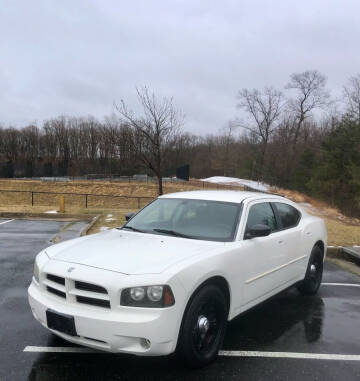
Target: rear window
x=289 y=216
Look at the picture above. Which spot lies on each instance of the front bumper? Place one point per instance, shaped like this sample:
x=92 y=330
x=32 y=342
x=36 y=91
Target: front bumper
x=140 y=331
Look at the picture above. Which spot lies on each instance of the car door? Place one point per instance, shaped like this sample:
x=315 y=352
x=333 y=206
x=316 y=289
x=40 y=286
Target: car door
x=288 y=220
x=261 y=258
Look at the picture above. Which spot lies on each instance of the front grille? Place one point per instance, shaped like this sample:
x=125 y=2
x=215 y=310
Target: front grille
x=89 y=287
x=56 y=279
x=93 y=301
x=75 y=291
x=56 y=292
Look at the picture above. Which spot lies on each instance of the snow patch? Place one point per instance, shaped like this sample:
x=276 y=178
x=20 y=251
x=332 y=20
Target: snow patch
x=110 y=218
x=51 y=212
x=257 y=185
x=103 y=228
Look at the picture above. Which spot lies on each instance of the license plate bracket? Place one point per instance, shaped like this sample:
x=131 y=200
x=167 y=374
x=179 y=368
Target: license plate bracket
x=61 y=322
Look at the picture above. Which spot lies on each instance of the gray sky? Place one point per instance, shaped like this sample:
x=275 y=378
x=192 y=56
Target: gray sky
x=75 y=57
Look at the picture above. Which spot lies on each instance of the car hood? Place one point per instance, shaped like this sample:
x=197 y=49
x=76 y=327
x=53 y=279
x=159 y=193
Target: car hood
x=129 y=252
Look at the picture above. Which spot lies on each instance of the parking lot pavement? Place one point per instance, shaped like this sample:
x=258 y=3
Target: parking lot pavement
x=290 y=337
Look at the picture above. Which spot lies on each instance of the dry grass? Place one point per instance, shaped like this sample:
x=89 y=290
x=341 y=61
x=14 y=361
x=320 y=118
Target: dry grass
x=342 y=234
x=133 y=189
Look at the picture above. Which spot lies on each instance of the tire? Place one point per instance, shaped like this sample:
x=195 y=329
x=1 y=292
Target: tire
x=314 y=271
x=203 y=327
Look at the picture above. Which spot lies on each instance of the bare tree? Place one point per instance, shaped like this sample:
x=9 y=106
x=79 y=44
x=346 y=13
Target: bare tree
x=155 y=130
x=264 y=108
x=310 y=94
x=352 y=96
x=226 y=140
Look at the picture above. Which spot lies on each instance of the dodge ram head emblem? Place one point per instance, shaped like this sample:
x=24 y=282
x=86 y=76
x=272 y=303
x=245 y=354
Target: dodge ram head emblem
x=70 y=269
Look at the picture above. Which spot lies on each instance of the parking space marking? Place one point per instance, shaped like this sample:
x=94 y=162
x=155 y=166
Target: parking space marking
x=341 y=284
x=61 y=349
x=290 y=355
x=5 y=222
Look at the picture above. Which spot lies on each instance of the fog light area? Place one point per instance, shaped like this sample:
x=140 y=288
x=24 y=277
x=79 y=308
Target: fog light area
x=145 y=343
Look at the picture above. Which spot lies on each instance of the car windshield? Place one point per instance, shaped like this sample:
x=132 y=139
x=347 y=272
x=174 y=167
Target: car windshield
x=195 y=219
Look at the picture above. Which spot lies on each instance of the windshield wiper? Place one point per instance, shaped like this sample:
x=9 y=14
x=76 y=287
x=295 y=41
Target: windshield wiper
x=172 y=232
x=133 y=229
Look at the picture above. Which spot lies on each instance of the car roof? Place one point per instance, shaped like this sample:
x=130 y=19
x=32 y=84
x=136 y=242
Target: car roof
x=222 y=195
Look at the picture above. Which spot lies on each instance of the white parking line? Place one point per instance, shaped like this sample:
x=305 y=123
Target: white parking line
x=292 y=355
x=61 y=349
x=5 y=222
x=341 y=284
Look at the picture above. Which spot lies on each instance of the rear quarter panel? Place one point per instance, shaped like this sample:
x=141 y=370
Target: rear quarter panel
x=314 y=230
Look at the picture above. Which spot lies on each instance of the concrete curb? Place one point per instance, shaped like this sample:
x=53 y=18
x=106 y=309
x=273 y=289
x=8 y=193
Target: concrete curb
x=47 y=216
x=341 y=258
x=89 y=226
x=343 y=253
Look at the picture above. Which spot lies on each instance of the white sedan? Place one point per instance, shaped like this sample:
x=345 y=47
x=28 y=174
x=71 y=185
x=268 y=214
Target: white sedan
x=176 y=272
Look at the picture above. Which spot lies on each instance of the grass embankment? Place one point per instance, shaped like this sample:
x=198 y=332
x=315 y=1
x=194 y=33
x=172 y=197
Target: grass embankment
x=16 y=201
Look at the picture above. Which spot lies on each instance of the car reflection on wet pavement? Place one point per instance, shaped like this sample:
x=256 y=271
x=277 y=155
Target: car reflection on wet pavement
x=289 y=314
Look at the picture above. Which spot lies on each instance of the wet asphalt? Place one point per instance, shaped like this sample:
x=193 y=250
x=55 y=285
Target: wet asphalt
x=326 y=323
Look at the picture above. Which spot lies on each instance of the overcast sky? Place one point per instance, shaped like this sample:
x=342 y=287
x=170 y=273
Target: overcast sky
x=76 y=57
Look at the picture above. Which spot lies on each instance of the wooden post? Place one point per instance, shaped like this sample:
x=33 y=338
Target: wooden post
x=61 y=204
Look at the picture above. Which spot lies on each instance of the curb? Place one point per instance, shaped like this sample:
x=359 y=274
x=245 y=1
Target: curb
x=344 y=253
x=48 y=216
x=89 y=225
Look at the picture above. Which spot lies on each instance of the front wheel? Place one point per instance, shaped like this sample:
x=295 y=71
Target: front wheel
x=203 y=327
x=313 y=276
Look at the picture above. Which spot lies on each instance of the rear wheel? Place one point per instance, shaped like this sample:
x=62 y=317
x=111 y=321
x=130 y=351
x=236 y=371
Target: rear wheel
x=313 y=276
x=203 y=328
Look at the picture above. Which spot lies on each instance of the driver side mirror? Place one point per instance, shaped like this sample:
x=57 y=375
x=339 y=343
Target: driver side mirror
x=129 y=216
x=258 y=230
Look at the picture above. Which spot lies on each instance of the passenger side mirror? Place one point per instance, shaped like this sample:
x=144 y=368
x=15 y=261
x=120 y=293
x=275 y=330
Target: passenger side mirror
x=129 y=216
x=258 y=230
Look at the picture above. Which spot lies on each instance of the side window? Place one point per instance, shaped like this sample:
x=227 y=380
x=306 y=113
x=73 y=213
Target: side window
x=289 y=216
x=261 y=214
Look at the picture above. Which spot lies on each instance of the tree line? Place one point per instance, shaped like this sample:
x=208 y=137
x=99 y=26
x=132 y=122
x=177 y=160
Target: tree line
x=294 y=138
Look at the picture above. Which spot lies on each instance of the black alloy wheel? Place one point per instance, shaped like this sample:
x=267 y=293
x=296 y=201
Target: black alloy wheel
x=204 y=326
x=314 y=272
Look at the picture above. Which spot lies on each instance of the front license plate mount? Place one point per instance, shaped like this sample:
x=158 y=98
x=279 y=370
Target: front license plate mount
x=61 y=322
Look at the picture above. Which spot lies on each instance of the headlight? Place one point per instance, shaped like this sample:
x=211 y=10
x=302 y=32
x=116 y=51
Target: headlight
x=147 y=296
x=137 y=293
x=36 y=272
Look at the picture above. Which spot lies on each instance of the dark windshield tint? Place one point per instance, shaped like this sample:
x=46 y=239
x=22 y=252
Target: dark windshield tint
x=198 y=219
x=289 y=216
x=263 y=214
